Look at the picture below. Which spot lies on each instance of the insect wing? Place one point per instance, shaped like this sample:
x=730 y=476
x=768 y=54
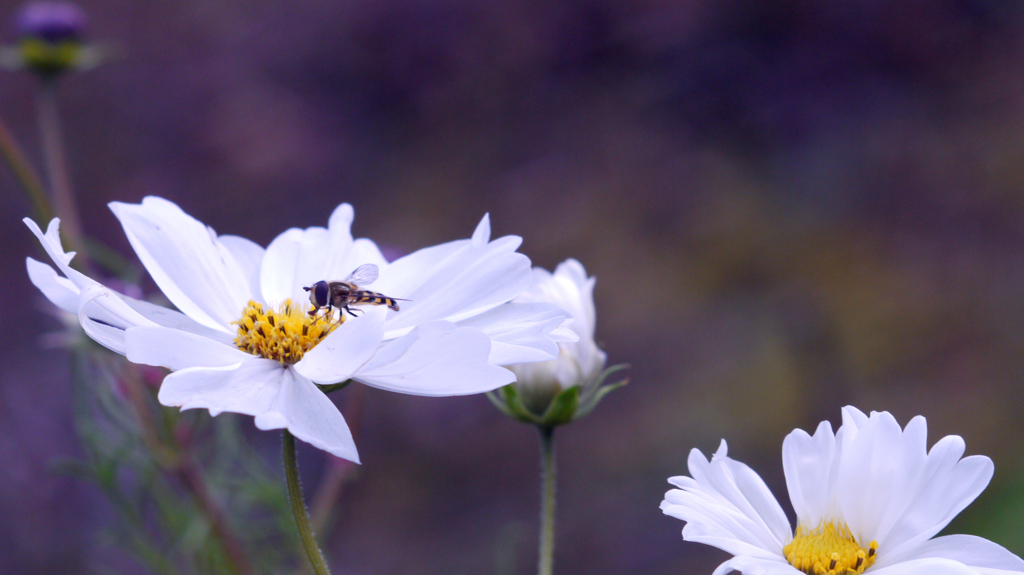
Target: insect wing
x=363 y=275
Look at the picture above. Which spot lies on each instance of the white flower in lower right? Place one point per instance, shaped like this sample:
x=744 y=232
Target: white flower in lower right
x=868 y=499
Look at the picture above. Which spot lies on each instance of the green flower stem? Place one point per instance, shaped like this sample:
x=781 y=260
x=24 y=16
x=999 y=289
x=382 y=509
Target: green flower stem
x=56 y=169
x=546 y=560
x=291 y=472
x=25 y=174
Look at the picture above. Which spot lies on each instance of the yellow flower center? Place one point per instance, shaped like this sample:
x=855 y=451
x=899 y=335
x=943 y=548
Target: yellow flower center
x=829 y=550
x=284 y=334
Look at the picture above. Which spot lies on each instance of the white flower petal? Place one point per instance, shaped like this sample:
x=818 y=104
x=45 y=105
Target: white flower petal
x=591 y=358
x=465 y=285
x=925 y=567
x=299 y=258
x=980 y=554
x=435 y=359
x=726 y=499
x=277 y=396
x=570 y=288
x=51 y=243
x=453 y=281
x=519 y=331
x=64 y=291
x=562 y=333
x=175 y=319
x=59 y=290
x=912 y=453
x=907 y=494
x=538 y=382
x=757 y=566
x=509 y=354
x=811 y=465
x=482 y=233
x=185 y=258
x=281 y=263
x=574 y=273
x=248 y=387
x=745 y=489
x=869 y=473
x=943 y=489
x=310 y=416
x=406 y=273
x=176 y=349
x=109 y=337
x=105 y=317
x=249 y=256
x=711 y=523
x=853 y=418
x=346 y=349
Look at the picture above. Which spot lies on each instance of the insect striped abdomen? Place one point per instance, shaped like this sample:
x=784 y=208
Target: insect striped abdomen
x=370 y=297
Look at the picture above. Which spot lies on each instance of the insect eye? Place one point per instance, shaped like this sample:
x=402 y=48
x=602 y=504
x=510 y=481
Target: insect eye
x=322 y=292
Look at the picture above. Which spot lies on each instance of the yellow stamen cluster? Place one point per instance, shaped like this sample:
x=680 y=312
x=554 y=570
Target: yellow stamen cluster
x=284 y=334
x=829 y=550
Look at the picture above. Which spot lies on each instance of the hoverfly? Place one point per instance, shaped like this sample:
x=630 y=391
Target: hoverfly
x=347 y=292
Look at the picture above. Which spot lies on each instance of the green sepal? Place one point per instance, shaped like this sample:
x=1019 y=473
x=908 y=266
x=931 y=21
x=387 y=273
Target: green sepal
x=49 y=59
x=46 y=58
x=597 y=396
x=569 y=405
x=499 y=403
x=613 y=369
x=514 y=405
x=563 y=408
x=600 y=390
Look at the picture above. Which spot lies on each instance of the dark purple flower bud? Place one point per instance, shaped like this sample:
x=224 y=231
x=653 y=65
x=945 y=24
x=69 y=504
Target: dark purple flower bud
x=51 y=21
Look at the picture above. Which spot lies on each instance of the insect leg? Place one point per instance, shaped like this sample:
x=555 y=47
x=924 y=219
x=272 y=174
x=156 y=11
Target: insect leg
x=326 y=313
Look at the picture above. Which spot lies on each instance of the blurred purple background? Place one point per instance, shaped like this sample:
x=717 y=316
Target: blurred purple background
x=789 y=206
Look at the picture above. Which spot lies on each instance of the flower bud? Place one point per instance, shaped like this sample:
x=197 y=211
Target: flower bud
x=557 y=391
x=50 y=36
x=52 y=22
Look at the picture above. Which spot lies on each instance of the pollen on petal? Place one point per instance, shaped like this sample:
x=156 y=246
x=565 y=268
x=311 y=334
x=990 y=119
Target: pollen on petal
x=283 y=334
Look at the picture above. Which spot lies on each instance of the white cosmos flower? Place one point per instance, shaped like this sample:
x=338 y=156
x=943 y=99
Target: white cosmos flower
x=578 y=363
x=868 y=499
x=235 y=346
